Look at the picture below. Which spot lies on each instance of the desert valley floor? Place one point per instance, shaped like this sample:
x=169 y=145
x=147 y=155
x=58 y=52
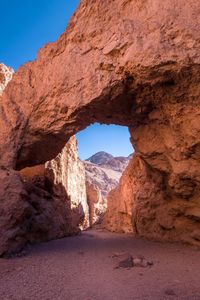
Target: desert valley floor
x=84 y=268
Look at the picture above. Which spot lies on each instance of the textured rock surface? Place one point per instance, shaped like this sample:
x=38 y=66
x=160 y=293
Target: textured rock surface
x=144 y=205
x=6 y=74
x=51 y=201
x=104 y=178
x=32 y=213
x=120 y=201
x=68 y=171
x=103 y=172
x=142 y=73
x=96 y=202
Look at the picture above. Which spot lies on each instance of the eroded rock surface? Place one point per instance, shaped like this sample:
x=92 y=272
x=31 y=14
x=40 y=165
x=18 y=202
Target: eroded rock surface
x=142 y=203
x=103 y=172
x=50 y=201
x=68 y=171
x=6 y=74
x=142 y=73
x=32 y=213
x=118 y=217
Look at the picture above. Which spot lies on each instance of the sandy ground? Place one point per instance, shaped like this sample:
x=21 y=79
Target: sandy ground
x=82 y=268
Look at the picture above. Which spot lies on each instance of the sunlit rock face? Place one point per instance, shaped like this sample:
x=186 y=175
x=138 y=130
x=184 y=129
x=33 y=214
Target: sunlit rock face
x=68 y=171
x=133 y=204
x=6 y=74
x=96 y=202
x=142 y=73
x=118 y=217
x=140 y=205
x=103 y=172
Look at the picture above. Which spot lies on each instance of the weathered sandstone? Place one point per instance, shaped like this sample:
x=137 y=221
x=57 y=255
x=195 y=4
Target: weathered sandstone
x=65 y=173
x=103 y=172
x=142 y=73
x=96 y=202
x=51 y=201
x=144 y=205
x=68 y=171
x=32 y=212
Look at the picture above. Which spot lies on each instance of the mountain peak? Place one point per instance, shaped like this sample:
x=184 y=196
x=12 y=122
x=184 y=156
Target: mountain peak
x=100 y=158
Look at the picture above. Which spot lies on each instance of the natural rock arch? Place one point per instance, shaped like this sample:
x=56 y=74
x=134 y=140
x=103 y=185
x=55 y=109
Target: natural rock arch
x=138 y=67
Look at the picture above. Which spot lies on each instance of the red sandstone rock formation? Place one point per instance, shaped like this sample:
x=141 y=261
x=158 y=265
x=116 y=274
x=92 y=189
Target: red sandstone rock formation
x=139 y=205
x=65 y=172
x=47 y=202
x=142 y=73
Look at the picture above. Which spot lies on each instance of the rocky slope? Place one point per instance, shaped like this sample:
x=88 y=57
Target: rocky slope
x=108 y=161
x=144 y=73
x=103 y=172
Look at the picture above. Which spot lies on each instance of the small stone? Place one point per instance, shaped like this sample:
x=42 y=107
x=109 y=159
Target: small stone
x=140 y=261
x=137 y=262
x=170 y=292
x=150 y=263
x=125 y=261
x=144 y=263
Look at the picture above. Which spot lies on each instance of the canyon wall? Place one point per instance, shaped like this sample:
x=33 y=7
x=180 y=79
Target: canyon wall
x=142 y=73
x=65 y=174
x=103 y=172
x=52 y=201
x=144 y=205
x=68 y=171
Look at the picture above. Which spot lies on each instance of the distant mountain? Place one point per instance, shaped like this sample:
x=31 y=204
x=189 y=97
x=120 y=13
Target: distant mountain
x=108 y=161
x=100 y=158
x=103 y=170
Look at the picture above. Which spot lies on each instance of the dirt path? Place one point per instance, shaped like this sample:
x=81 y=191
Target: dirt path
x=82 y=268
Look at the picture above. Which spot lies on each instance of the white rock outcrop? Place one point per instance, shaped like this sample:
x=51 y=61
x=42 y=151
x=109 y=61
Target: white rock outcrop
x=6 y=74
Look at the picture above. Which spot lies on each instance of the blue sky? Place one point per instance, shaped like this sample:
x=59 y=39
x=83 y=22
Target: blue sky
x=26 y=25
x=110 y=138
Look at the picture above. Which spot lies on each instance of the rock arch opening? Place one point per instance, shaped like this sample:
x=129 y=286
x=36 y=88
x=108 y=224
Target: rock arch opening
x=105 y=151
x=89 y=166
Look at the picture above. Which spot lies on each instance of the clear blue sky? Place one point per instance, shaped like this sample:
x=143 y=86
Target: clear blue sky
x=110 y=138
x=25 y=26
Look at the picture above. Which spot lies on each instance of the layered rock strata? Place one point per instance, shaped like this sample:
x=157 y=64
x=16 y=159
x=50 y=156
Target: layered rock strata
x=142 y=73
